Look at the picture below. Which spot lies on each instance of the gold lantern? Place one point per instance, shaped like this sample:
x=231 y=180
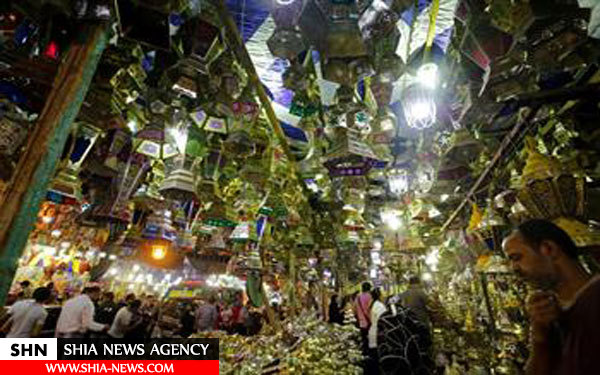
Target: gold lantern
x=547 y=191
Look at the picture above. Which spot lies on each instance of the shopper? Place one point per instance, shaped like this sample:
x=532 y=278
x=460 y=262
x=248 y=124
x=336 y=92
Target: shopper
x=565 y=306
x=362 y=306
x=126 y=301
x=187 y=320
x=207 y=315
x=125 y=320
x=416 y=301
x=77 y=315
x=25 y=289
x=53 y=293
x=336 y=314
x=107 y=309
x=377 y=309
x=27 y=317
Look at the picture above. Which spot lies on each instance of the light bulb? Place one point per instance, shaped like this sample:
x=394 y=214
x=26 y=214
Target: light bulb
x=418 y=104
x=158 y=252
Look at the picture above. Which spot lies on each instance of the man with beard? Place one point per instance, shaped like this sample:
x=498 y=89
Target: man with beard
x=564 y=302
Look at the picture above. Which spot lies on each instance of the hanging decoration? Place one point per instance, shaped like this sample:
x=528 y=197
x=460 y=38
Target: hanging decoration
x=419 y=107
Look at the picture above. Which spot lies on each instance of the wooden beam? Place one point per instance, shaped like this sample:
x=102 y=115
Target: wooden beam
x=37 y=165
x=243 y=56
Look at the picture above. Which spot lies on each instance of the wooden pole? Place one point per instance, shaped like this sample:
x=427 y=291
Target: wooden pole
x=506 y=142
x=38 y=163
x=241 y=53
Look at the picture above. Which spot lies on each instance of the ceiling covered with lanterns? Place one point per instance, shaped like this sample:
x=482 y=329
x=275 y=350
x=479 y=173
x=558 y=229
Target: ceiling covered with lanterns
x=338 y=122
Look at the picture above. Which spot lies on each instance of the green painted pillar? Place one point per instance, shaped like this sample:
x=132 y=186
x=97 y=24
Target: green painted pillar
x=37 y=165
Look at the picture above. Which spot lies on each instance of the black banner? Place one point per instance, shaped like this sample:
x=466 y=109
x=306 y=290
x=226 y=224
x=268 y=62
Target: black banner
x=155 y=349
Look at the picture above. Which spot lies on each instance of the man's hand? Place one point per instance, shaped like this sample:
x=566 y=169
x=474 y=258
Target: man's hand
x=106 y=328
x=543 y=310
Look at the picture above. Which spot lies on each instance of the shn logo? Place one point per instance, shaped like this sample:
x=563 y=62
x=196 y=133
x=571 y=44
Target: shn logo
x=29 y=350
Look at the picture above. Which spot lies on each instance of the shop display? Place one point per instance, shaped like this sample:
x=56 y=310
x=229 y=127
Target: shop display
x=271 y=154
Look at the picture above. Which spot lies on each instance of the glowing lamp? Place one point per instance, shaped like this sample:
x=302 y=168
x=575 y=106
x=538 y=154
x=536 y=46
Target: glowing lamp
x=158 y=252
x=398 y=181
x=418 y=104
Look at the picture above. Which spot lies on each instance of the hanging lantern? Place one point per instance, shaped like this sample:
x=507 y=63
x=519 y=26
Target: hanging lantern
x=186 y=241
x=67 y=182
x=418 y=104
x=198 y=117
x=217 y=242
x=119 y=139
x=349 y=155
x=286 y=43
x=244 y=232
x=489 y=228
x=216 y=125
x=202 y=43
x=159 y=226
x=332 y=28
x=180 y=182
x=547 y=191
x=398 y=181
x=115 y=208
x=151 y=141
x=583 y=235
x=424 y=177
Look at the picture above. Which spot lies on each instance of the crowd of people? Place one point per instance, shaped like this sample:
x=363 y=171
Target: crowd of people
x=96 y=313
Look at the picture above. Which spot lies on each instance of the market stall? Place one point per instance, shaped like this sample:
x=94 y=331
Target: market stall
x=288 y=151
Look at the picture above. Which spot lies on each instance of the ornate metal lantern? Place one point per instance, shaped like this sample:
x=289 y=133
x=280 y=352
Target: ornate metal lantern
x=67 y=182
x=349 y=155
x=418 y=104
x=547 y=191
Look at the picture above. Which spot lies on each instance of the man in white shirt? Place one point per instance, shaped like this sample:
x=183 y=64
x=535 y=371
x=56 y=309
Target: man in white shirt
x=27 y=317
x=124 y=320
x=377 y=310
x=77 y=315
